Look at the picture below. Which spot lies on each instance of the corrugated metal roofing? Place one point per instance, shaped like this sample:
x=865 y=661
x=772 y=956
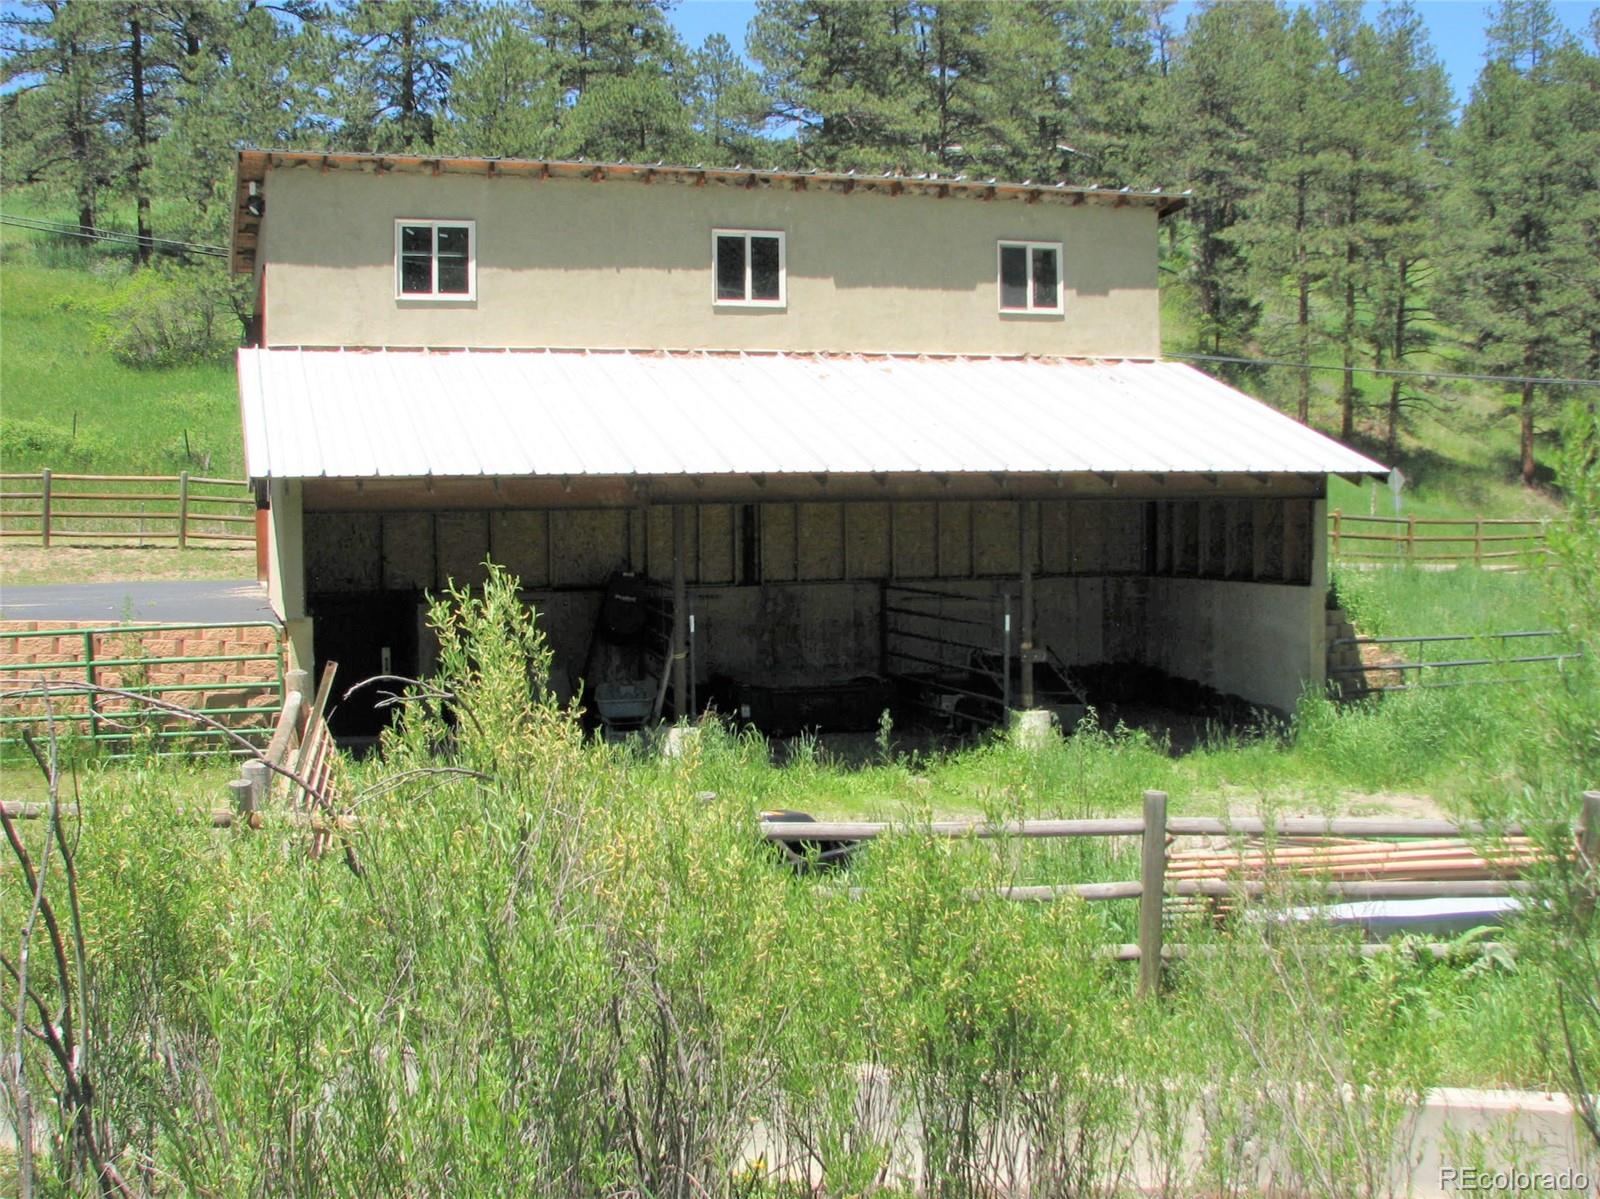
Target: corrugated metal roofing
x=384 y=413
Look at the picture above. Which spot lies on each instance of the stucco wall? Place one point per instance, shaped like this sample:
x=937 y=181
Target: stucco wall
x=622 y=264
x=1247 y=639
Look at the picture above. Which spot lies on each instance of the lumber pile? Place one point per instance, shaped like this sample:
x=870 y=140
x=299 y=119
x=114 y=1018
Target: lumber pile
x=1350 y=860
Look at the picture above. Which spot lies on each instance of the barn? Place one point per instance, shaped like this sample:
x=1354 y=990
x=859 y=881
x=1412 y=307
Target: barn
x=798 y=537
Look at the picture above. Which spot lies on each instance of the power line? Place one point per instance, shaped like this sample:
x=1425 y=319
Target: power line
x=1380 y=370
x=90 y=233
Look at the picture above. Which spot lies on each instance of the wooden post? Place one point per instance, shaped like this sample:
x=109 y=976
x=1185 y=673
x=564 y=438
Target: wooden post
x=1337 y=516
x=255 y=774
x=297 y=681
x=1411 y=538
x=1589 y=850
x=1152 y=886
x=241 y=798
x=44 y=507
x=1005 y=657
x=1025 y=552
x=680 y=619
x=1477 y=542
x=183 y=509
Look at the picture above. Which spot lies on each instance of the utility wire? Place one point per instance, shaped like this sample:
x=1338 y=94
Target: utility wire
x=115 y=237
x=1381 y=370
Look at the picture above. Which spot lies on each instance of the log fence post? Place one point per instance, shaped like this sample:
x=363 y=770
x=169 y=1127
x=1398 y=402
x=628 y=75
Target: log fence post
x=1477 y=542
x=241 y=800
x=44 y=507
x=183 y=509
x=255 y=774
x=1152 y=887
x=1589 y=852
x=1337 y=517
x=296 y=681
x=1411 y=538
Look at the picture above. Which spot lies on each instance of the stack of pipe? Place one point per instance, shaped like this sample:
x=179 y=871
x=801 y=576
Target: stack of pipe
x=1443 y=860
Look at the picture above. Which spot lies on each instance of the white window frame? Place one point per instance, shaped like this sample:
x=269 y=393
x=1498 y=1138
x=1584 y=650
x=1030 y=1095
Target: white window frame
x=783 y=269
x=999 y=283
x=436 y=296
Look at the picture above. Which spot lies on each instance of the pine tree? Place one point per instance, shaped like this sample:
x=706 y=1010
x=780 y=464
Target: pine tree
x=505 y=99
x=1277 y=232
x=391 y=63
x=1215 y=140
x=1348 y=190
x=844 y=75
x=1074 y=86
x=240 y=82
x=729 y=107
x=1521 y=260
x=624 y=77
x=1407 y=101
x=55 y=112
x=954 y=74
x=1578 y=71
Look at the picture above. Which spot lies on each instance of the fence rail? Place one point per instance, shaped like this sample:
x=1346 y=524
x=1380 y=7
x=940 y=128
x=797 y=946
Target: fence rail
x=1480 y=540
x=1160 y=879
x=181 y=509
x=66 y=683
x=1409 y=673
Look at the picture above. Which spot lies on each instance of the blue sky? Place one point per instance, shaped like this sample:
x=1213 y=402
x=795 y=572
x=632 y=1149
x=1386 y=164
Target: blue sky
x=1455 y=27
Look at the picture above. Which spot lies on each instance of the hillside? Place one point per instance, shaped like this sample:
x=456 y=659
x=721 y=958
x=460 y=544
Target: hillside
x=68 y=404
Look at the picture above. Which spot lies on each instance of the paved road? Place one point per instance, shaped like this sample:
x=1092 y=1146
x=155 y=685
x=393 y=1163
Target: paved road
x=225 y=600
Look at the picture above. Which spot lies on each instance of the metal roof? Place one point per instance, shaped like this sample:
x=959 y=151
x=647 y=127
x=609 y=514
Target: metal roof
x=253 y=165
x=459 y=413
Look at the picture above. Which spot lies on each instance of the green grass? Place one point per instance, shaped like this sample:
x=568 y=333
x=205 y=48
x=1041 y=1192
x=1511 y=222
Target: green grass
x=69 y=405
x=574 y=973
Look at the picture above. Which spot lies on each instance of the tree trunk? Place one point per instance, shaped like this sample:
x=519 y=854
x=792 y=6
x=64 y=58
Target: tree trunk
x=1397 y=351
x=1527 y=435
x=141 y=153
x=408 y=83
x=1303 y=320
x=1347 y=395
x=1303 y=311
x=78 y=136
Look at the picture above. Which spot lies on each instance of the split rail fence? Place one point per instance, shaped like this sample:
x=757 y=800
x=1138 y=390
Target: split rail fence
x=1156 y=883
x=1483 y=541
x=183 y=509
x=297 y=764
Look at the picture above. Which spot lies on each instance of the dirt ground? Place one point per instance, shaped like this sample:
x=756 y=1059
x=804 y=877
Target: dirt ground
x=26 y=565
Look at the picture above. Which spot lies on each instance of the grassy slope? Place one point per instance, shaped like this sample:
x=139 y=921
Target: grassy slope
x=67 y=404
x=1459 y=455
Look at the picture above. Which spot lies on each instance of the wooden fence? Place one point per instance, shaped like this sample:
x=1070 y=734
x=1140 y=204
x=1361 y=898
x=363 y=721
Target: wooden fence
x=1483 y=541
x=1294 y=860
x=182 y=509
x=1156 y=882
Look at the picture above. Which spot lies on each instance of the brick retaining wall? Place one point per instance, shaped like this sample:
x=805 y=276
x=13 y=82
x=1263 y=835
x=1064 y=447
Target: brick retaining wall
x=250 y=685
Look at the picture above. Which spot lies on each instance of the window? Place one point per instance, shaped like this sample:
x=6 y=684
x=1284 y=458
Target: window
x=435 y=260
x=1030 y=276
x=748 y=266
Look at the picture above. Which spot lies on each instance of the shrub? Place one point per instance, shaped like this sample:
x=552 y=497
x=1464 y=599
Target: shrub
x=168 y=315
x=25 y=442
